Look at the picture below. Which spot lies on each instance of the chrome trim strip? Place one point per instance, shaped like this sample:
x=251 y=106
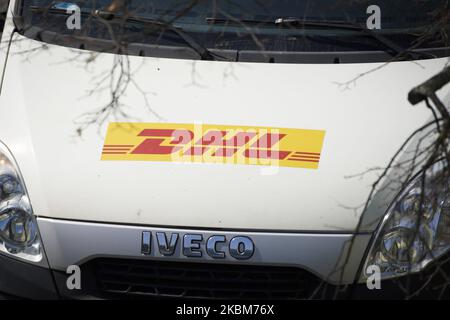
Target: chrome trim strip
x=73 y=242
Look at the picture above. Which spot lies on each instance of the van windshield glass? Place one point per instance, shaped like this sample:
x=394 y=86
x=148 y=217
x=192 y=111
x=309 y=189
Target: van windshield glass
x=262 y=25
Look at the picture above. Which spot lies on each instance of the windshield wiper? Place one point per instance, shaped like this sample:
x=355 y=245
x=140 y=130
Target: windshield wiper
x=394 y=48
x=391 y=47
x=202 y=51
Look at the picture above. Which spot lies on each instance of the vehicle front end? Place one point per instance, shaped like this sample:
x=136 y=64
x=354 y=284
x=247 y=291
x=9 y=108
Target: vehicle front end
x=164 y=149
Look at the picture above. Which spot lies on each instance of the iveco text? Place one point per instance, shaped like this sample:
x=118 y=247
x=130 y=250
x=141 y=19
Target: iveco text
x=239 y=247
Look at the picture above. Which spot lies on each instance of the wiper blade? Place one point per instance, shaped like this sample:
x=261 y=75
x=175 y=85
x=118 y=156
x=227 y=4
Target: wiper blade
x=213 y=20
x=391 y=47
x=202 y=51
x=59 y=8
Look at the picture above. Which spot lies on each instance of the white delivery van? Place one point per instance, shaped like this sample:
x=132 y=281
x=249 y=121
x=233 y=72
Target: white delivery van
x=211 y=149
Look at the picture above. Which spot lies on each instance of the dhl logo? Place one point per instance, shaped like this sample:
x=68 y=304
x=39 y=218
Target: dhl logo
x=297 y=148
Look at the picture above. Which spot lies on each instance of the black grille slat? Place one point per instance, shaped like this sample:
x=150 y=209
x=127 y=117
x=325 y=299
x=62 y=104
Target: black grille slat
x=124 y=278
x=200 y=284
x=234 y=281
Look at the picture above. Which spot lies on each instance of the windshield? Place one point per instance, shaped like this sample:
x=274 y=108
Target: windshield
x=241 y=26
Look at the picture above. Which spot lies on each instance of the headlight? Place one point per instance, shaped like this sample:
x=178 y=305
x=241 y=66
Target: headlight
x=18 y=229
x=416 y=228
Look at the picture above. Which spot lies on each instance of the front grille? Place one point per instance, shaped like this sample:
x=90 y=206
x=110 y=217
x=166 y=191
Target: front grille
x=124 y=278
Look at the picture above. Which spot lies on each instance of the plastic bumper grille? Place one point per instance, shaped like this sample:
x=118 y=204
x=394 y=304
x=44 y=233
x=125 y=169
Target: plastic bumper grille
x=123 y=278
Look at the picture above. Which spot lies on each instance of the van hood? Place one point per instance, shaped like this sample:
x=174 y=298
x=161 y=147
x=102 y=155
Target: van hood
x=47 y=96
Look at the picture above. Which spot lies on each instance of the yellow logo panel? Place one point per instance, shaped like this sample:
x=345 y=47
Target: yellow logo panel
x=173 y=142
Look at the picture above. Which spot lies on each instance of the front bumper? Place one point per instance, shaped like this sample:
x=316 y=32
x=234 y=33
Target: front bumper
x=20 y=279
x=322 y=254
x=284 y=266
